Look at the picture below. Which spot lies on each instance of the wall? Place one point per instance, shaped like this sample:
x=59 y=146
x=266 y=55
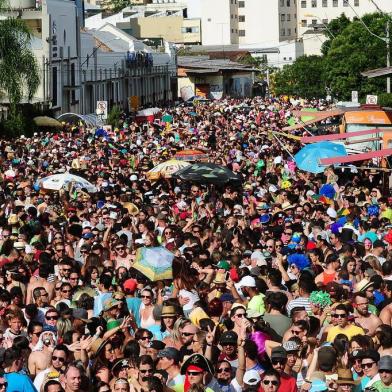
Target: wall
x=312 y=43
x=193 y=37
x=219 y=22
x=168 y=27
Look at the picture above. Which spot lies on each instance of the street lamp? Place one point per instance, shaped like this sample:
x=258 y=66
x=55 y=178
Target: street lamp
x=385 y=39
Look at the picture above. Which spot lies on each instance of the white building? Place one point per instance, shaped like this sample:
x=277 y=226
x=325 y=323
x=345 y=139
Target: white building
x=262 y=21
x=313 y=15
x=219 y=22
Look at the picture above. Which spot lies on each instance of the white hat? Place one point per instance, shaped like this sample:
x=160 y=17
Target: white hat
x=133 y=177
x=251 y=377
x=272 y=188
x=332 y=213
x=86 y=224
x=259 y=257
x=278 y=160
x=248 y=281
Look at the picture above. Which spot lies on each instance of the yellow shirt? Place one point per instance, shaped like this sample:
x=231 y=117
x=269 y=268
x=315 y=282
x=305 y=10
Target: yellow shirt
x=350 y=331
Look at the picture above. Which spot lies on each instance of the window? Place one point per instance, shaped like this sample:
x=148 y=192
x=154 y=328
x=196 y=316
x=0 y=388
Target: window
x=241 y=33
x=295 y=16
x=303 y=4
x=314 y=3
x=325 y=3
x=73 y=78
x=356 y=3
x=288 y=31
x=54 y=86
x=232 y=31
x=241 y=4
x=345 y=3
x=283 y=18
x=335 y=3
x=283 y=32
x=288 y=3
x=295 y=30
x=190 y=30
x=288 y=18
x=304 y=23
x=232 y=16
x=282 y=3
x=325 y=21
x=314 y=22
x=241 y=18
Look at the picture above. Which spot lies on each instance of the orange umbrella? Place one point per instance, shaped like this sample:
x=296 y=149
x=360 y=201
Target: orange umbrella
x=191 y=155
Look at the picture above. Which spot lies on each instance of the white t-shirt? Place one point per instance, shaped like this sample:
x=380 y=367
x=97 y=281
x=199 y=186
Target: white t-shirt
x=193 y=297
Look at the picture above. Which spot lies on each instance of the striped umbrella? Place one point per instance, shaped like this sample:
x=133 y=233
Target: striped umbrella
x=166 y=169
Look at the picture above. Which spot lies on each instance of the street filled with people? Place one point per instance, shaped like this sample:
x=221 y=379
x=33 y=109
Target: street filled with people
x=191 y=254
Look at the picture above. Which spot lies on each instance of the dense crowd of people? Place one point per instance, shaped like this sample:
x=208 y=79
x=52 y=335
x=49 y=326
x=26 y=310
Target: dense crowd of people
x=279 y=283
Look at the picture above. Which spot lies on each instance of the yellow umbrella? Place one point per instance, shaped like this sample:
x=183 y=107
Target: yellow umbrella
x=45 y=121
x=166 y=169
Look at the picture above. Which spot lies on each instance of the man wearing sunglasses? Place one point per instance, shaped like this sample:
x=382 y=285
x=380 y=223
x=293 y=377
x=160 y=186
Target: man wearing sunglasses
x=385 y=371
x=344 y=326
x=279 y=361
x=58 y=364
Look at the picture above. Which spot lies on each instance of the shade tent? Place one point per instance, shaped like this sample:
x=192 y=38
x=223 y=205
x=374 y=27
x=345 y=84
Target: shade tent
x=91 y=120
x=355 y=158
x=338 y=136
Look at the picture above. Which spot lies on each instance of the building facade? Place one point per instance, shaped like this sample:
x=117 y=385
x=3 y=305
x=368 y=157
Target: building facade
x=314 y=15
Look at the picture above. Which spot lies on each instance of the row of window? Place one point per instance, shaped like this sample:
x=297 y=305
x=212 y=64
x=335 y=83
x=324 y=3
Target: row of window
x=287 y=18
x=288 y=31
x=194 y=29
x=287 y=3
x=304 y=22
x=327 y=3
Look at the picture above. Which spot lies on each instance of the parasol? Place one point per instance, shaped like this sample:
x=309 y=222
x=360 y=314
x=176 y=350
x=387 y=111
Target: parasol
x=208 y=173
x=56 y=182
x=166 y=169
x=154 y=262
x=308 y=158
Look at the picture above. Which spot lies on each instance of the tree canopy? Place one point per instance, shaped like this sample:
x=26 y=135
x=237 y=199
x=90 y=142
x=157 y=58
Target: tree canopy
x=349 y=50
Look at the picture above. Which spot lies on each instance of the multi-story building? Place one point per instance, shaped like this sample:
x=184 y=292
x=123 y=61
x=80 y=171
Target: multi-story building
x=314 y=15
x=262 y=21
x=81 y=66
x=219 y=22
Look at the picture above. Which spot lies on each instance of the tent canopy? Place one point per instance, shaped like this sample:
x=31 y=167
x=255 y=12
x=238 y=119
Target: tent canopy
x=338 y=136
x=358 y=157
x=316 y=117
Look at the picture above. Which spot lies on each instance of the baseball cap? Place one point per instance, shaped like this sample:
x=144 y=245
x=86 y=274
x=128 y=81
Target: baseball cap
x=290 y=345
x=251 y=377
x=130 y=285
x=318 y=386
x=278 y=353
x=223 y=264
x=110 y=303
x=247 y=281
x=378 y=244
x=87 y=236
x=227 y=297
x=229 y=337
x=169 y=352
x=385 y=363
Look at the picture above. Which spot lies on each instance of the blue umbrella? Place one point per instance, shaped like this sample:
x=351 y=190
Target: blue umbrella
x=308 y=158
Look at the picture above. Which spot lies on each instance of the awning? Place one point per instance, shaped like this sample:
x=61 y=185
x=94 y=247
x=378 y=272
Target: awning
x=338 y=136
x=374 y=73
x=316 y=117
x=358 y=157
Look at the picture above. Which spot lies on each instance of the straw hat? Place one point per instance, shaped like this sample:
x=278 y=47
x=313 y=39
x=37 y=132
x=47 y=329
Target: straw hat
x=219 y=278
x=168 y=311
x=363 y=285
x=97 y=346
x=132 y=208
x=346 y=377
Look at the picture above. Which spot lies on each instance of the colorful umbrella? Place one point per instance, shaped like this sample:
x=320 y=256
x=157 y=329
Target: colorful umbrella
x=166 y=169
x=308 y=158
x=191 y=155
x=154 y=262
x=56 y=182
x=208 y=173
x=167 y=118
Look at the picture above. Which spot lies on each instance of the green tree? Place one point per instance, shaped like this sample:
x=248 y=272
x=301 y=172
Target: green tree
x=353 y=51
x=334 y=28
x=19 y=73
x=305 y=77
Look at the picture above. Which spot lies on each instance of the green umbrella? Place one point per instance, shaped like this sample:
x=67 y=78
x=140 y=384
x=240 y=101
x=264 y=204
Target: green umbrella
x=167 y=118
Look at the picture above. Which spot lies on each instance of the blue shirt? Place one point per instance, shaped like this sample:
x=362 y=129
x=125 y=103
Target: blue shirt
x=19 y=383
x=98 y=302
x=133 y=304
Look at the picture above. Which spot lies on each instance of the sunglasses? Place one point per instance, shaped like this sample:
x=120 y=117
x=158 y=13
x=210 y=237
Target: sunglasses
x=145 y=371
x=65 y=291
x=339 y=315
x=4 y=385
x=268 y=382
x=295 y=332
x=279 y=361
x=221 y=370
x=51 y=318
x=192 y=373
x=145 y=296
x=367 y=365
x=120 y=248
x=240 y=315
x=187 y=333
x=37 y=333
x=60 y=359
x=145 y=338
